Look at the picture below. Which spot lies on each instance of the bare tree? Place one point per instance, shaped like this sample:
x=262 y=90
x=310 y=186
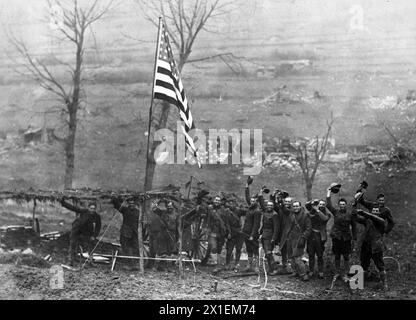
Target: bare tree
x=310 y=157
x=185 y=21
x=71 y=23
x=399 y=123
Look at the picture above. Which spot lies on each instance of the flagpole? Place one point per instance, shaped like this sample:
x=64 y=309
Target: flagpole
x=151 y=104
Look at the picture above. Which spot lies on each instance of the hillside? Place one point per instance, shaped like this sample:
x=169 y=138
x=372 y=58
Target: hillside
x=349 y=67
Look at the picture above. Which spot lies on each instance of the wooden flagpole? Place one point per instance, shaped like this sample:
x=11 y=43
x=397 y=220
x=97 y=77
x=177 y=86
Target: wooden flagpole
x=151 y=104
x=142 y=208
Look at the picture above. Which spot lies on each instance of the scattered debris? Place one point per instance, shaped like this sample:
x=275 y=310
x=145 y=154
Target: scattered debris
x=282 y=160
x=28 y=251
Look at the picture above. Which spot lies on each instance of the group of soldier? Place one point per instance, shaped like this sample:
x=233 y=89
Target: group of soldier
x=282 y=221
x=261 y=225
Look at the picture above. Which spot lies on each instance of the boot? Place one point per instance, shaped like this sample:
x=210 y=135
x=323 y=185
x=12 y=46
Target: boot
x=346 y=270
x=295 y=270
x=155 y=265
x=320 y=268
x=215 y=263
x=249 y=266
x=213 y=259
x=311 y=264
x=255 y=264
x=162 y=266
x=337 y=268
x=71 y=260
x=228 y=266
x=383 y=278
x=270 y=263
x=305 y=277
x=228 y=260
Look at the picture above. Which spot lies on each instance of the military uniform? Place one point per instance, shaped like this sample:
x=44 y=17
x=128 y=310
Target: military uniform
x=86 y=225
x=162 y=232
x=269 y=231
x=373 y=246
x=129 y=236
x=385 y=213
x=284 y=225
x=373 y=243
x=343 y=232
x=218 y=230
x=316 y=240
x=236 y=239
x=250 y=229
x=299 y=230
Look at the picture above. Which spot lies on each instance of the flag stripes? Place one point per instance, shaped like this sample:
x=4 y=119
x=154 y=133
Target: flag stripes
x=168 y=87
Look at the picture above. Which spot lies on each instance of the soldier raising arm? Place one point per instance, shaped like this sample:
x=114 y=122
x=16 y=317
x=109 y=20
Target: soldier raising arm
x=385 y=212
x=85 y=228
x=343 y=231
x=373 y=245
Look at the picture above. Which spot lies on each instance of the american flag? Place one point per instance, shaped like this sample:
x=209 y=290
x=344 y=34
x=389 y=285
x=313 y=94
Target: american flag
x=169 y=87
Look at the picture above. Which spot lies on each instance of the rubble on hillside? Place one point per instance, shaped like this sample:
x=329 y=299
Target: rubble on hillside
x=285 y=161
x=369 y=156
x=284 y=94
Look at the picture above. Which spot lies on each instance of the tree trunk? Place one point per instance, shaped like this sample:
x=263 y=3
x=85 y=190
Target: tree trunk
x=70 y=150
x=309 y=184
x=72 y=110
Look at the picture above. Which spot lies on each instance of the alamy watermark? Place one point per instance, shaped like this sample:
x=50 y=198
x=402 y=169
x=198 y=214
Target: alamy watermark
x=357 y=280
x=56 y=281
x=244 y=147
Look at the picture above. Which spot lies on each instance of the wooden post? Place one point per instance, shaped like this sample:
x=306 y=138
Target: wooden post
x=190 y=187
x=114 y=261
x=180 y=243
x=148 y=178
x=34 y=215
x=140 y=231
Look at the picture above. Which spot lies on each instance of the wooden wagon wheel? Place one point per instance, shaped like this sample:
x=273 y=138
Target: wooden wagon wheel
x=200 y=249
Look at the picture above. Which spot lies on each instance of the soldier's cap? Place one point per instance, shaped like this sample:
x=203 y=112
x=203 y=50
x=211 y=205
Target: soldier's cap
x=249 y=180
x=380 y=195
x=335 y=187
x=364 y=184
x=284 y=194
x=92 y=204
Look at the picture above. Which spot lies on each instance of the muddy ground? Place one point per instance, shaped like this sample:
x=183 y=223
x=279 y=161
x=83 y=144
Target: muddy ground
x=28 y=278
